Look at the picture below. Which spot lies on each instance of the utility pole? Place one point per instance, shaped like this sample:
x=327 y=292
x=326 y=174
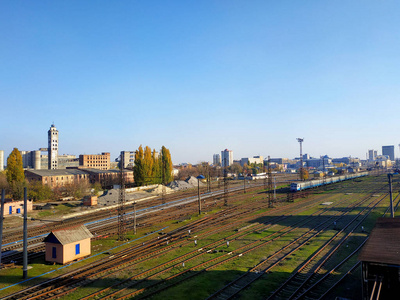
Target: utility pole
x=244 y=184
x=3 y=192
x=300 y=140
x=390 y=193
x=225 y=182
x=270 y=200
x=208 y=179
x=265 y=172
x=134 y=217
x=121 y=205
x=163 y=163
x=323 y=172
x=25 y=240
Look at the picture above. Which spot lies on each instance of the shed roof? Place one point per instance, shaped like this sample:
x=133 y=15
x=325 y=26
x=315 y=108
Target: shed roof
x=68 y=235
x=383 y=245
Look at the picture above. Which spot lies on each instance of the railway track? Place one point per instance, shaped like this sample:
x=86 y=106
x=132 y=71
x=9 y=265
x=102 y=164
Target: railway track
x=203 y=258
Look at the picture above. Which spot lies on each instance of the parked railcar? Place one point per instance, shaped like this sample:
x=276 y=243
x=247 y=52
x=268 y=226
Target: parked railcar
x=299 y=186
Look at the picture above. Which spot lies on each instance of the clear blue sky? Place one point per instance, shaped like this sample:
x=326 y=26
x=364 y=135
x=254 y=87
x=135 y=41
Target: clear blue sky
x=201 y=76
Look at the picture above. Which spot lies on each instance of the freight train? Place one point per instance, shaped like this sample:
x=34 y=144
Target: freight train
x=299 y=186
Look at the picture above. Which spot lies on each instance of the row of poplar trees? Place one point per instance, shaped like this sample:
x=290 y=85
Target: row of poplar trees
x=151 y=167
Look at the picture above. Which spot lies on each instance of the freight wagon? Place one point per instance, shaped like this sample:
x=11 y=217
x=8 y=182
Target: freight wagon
x=299 y=186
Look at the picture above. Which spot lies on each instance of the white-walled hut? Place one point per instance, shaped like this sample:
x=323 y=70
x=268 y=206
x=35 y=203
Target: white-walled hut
x=66 y=245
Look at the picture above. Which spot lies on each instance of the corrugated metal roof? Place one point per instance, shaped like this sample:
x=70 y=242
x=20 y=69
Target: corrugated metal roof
x=57 y=172
x=383 y=245
x=69 y=235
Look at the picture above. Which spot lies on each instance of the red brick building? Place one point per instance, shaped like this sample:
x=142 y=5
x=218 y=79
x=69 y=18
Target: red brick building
x=59 y=177
x=63 y=177
x=97 y=161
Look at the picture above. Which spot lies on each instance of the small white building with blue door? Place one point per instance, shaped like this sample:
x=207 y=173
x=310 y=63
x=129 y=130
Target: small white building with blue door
x=69 y=244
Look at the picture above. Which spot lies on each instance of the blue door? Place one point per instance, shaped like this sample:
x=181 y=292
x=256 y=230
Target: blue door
x=77 y=249
x=54 y=252
x=10 y=210
x=18 y=210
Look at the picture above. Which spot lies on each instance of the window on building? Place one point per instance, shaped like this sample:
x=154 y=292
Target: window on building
x=77 y=249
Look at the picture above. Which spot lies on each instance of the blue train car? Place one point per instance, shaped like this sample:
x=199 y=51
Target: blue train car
x=299 y=186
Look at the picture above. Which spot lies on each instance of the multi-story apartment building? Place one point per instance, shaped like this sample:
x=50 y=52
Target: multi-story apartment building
x=96 y=161
x=216 y=160
x=128 y=158
x=226 y=158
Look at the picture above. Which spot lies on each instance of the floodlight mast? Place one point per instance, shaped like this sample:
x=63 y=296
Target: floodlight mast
x=300 y=140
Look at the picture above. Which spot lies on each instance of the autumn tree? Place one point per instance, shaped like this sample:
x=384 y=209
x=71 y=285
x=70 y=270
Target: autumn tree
x=150 y=168
x=185 y=172
x=15 y=173
x=156 y=168
x=235 y=168
x=166 y=165
x=203 y=168
x=39 y=191
x=77 y=189
x=304 y=174
x=3 y=181
x=148 y=165
x=138 y=171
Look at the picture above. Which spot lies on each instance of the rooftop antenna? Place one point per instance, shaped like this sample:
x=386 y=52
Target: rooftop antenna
x=300 y=140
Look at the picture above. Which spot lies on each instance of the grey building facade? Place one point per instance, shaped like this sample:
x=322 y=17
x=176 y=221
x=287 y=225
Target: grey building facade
x=226 y=158
x=216 y=160
x=128 y=158
x=31 y=159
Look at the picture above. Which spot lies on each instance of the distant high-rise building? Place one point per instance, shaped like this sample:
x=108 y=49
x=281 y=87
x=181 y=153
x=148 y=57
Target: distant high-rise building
x=216 y=160
x=389 y=151
x=53 y=147
x=1 y=160
x=226 y=158
x=372 y=155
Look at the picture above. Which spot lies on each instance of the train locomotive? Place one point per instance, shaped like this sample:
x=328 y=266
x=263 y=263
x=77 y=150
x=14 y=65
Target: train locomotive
x=299 y=186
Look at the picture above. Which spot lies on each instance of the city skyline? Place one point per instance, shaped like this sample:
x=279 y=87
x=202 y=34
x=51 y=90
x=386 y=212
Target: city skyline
x=53 y=165
x=201 y=77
